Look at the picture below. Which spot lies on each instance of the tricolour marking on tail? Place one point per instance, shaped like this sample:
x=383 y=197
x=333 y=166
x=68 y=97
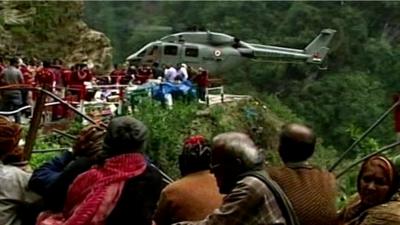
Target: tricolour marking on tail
x=318 y=48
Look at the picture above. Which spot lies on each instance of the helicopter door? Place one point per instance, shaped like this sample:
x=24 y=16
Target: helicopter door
x=171 y=54
x=152 y=56
x=191 y=55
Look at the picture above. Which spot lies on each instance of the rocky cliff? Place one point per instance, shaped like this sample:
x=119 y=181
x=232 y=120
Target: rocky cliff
x=50 y=29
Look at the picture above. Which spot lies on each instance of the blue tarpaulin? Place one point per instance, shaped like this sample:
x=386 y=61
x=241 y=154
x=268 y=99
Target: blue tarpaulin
x=184 y=88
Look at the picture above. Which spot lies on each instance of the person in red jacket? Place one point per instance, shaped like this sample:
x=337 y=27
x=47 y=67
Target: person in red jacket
x=80 y=74
x=28 y=76
x=45 y=76
x=66 y=75
x=117 y=75
x=201 y=79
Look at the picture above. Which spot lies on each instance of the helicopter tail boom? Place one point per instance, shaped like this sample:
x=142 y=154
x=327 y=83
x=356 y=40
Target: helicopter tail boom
x=315 y=52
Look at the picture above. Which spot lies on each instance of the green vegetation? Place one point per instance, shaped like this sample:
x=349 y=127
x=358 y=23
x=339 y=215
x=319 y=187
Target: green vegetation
x=356 y=87
x=37 y=25
x=339 y=102
x=170 y=127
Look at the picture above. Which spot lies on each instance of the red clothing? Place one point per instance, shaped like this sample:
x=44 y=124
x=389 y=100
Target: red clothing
x=2 y=67
x=117 y=75
x=66 y=75
x=45 y=76
x=143 y=75
x=202 y=79
x=396 y=98
x=28 y=76
x=80 y=76
x=94 y=194
x=58 y=76
x=85 y=74
x=147 y=72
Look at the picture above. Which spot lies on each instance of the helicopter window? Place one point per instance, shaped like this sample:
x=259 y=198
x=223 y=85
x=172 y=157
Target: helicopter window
x=170 y=50
x=192 y=52
x=142 y=53
x=154 y=50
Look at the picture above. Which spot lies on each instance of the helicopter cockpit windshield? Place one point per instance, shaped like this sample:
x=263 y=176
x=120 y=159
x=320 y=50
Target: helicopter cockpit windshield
x=137 y=56
x=146 y=55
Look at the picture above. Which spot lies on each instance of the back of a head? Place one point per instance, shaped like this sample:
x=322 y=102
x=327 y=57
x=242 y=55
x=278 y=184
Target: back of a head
x=239 y=146
x=297 y=143
x=10 y=134
x=125 y=135
x=14 y=61
x=46 y=64
x=195 y=156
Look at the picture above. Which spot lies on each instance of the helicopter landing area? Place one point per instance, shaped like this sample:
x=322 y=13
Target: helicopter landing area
x=218 y=98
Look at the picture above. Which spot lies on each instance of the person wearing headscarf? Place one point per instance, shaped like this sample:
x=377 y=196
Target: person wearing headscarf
x=195 y=195
x=378 y=200
x=120 y=189
x=14 y=192
x=311 y=190
x=52 y=179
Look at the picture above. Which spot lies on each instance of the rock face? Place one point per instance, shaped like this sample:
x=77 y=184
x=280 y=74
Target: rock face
x=50 y=29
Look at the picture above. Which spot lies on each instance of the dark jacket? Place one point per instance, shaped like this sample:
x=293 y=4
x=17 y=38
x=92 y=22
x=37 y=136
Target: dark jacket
x=57 y=192
x=44 y=176
x=138 y=200
x=53 y=178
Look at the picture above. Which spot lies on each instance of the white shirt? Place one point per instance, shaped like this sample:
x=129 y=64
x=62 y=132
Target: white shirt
x=13 y=192
x=183 y=73
x=170 y=74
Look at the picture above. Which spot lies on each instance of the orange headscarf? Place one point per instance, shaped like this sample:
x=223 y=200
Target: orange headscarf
x=10 y=134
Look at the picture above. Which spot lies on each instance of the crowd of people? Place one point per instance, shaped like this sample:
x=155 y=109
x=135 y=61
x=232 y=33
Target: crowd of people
x=108 y=179
x=69 y=82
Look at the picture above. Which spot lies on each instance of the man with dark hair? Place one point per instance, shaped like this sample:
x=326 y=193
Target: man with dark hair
x=45 y=77
x=157 y=71
x=195 y=195
x=251 y=197
x=12 y=99
x=312 y=191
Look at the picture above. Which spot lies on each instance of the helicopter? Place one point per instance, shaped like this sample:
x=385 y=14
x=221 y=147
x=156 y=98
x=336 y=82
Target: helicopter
x=219 y=52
